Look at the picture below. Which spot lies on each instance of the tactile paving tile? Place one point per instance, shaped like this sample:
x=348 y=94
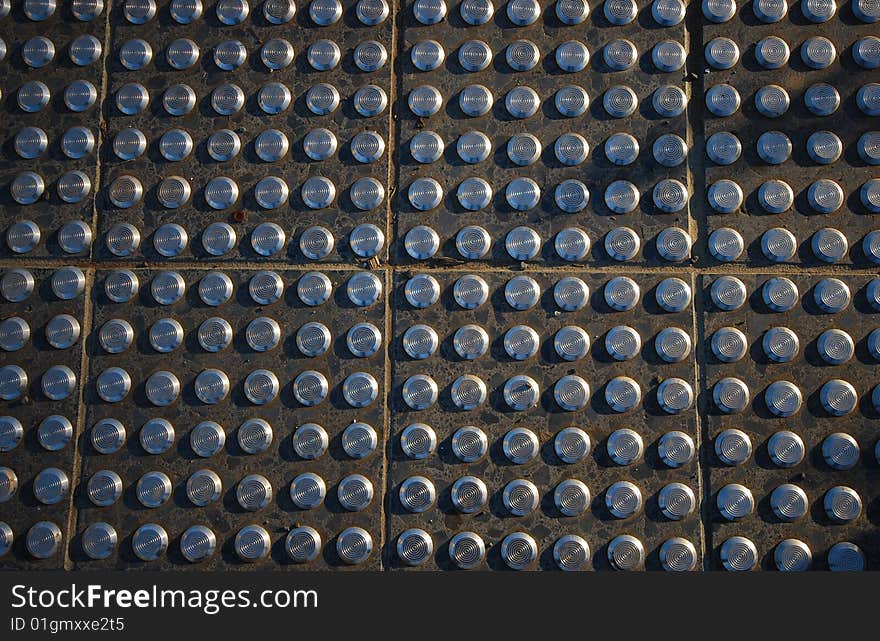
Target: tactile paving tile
x=570 y=134
x=557 y=244
x=41 y=338
x=278 y=140
x=285 y=414
x=793 y=436
x=51 y=64
x=610 y=403
x=789 y=153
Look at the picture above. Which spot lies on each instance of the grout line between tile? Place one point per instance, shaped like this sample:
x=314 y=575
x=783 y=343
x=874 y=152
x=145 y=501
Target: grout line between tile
x=393 y=137
x=391 y=187
x=99 y=144
x=76 y=472
x=702 y=480
x=696 y=224
x=464 y=267
x=698 y=228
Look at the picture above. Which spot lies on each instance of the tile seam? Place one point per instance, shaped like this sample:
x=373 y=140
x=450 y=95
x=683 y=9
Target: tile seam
x=73 y=513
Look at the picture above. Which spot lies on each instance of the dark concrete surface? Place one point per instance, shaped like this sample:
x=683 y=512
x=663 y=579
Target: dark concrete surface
x=384 y=518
